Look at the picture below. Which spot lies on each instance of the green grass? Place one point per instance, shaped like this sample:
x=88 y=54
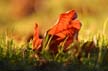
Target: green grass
x=90 y=55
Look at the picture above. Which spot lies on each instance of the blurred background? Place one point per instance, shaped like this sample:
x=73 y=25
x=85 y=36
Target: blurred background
x=17 y=17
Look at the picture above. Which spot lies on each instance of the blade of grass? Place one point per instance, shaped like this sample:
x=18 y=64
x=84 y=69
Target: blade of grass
x=60 y=49
x=104 y=26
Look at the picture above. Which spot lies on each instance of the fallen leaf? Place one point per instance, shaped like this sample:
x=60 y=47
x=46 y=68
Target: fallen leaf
x=67 y=27
x=36 y=40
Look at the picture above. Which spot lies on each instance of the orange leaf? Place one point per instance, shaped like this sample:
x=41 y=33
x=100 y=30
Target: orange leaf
x=36 y=40
x=67 y=26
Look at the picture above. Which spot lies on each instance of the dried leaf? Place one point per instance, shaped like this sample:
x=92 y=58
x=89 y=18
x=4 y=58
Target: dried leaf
x=67 y=26
x=36 y=40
